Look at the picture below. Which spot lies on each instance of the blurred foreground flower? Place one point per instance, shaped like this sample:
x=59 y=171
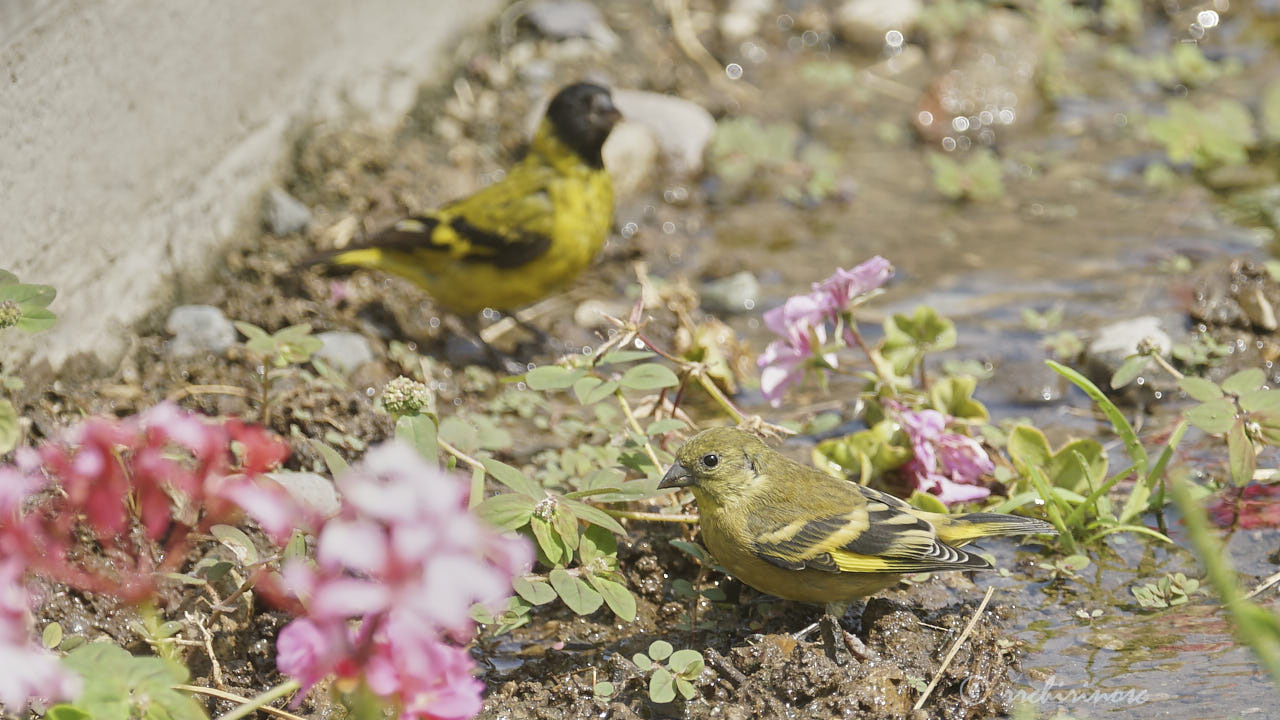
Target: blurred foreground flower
x=802 y=323
x=407 y=560
x=26 y=670
x=947 y=464
x=130 y=484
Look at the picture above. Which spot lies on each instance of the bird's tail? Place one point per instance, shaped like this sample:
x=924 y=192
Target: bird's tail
x=959 y=529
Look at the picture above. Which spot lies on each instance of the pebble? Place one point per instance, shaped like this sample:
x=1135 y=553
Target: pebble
x=345 y=351
x=315 y=491
x=283 y=214
x=198 y=329
x=742 y=19
x=733 y=294
x=1117 y=341
x=591 y=313
x=630 y=154
x=1123 y=337
x=866 y=21
x=681 y=127
x=563 y=19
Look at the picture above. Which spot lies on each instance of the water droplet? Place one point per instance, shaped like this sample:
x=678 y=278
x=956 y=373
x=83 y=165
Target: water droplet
x=925 y=118
x=893 y=38
x=1007 y=116
x=810 y=38
x=1207 y=19
x=749 y=304
x=629 y=229
x=948 y=143
x=960 y=123
x=964 y=143
x=785 y=22
x=733 y=70
x=1196 y=31
x=668 y=227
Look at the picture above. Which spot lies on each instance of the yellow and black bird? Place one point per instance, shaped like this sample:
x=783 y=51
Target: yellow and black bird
x=791 y=530
x=522 y=238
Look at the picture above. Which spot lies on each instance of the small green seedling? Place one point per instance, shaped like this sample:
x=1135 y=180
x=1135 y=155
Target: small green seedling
x=1173 y=589
x=670 y=671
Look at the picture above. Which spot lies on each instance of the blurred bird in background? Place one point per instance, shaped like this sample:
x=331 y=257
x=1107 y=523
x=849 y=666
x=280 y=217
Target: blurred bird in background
x=521 y=239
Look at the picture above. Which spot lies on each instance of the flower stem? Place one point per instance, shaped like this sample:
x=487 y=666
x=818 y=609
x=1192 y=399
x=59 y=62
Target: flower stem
x=258 y=703
x=460 y=455
x=635 y=425
x=651 y=516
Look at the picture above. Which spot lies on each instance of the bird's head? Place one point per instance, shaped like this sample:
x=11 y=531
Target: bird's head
x=582 y=115
x=722 y=463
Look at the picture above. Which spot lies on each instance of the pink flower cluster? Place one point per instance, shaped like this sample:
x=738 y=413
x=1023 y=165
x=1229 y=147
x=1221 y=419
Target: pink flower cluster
x=407 y=561
x=802 y=322
x=947 y=464
x=131 y=485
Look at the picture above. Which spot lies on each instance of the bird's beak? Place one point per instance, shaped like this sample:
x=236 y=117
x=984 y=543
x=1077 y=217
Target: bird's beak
x=678 y=476
x=604 y=108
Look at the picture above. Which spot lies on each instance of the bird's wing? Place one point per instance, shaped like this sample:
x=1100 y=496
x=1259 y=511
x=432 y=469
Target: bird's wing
x=844 y=527
x=507 y=225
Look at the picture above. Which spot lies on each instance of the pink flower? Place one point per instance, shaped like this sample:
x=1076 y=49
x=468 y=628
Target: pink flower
x=27 y=671
x=396 y=573
x=802 y=325
x=169 y=471
x=949 y=465
x=846 y=286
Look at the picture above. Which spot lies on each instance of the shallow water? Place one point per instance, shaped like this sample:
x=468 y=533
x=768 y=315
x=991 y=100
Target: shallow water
x=1077 y=229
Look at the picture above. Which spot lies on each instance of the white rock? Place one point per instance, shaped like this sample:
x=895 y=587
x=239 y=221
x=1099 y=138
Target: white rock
x=630 y=154
x=562 y=19
x=345 y=351
x=682 y=128
x=315 y=491
x=733 y=294
x=866 y=21
x=1123 y=337
x=198 y=329
x=283 y=214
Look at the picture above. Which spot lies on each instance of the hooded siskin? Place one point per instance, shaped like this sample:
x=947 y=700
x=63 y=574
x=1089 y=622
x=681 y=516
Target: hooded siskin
x=790 y=530
x=522 y=238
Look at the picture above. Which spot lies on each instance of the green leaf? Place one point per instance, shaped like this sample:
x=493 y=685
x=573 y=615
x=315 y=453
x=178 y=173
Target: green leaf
x=31 y=295
x=593 y=515
x=552 y=377
x=420 y=432
x=332 y=459
x=666 y=425
x=642 y=661
x=10 y=428
x=688 y=663
x=583 y=387
x=1198 y=388
x=603 y=689
x=1029 y=447
x=685 y=688
x=1262 y=402
x=574 y=592
x=597 y=544
x=52 y=636
x=597 y=393
x=662 y=686
x=536 y=592
x=67 y=712
x=236 y=541
x=566 y=526
x=954 y=396
x=927 y=502
x=1215 y=417
x=1244 y=381
x=513 y=478
x=7 y=278
x=616 y=596
x=36 y=320
x=649 y=376
x=506 y=512
x=1132 y=367
x=296 y=548
x=550 y=543
x=624 y=356
x=119 y=686
x=1243 y=458
x=660 y=650
x=253 y=332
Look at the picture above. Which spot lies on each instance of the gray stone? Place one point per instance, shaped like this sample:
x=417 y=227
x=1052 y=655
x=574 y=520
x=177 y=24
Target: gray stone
x=345 y=351
x=563 y=19
x=315 y=491
x=1117 y=341
x=198 y=329
x=733 y=294
x=682 y=128
x=283 y=214
x=866 y=21
x=1123 y=337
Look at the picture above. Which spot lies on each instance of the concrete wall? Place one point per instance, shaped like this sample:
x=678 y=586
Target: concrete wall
x=135 y=134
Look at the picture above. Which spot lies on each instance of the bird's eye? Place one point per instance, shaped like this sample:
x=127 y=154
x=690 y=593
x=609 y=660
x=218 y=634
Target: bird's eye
x=711 y=460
